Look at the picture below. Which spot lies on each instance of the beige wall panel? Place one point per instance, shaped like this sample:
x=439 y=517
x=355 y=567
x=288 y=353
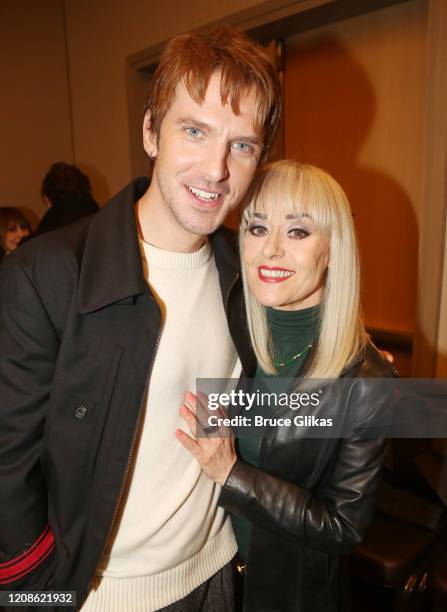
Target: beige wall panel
x=354 y=105
x=101 y=35
x=34 y=102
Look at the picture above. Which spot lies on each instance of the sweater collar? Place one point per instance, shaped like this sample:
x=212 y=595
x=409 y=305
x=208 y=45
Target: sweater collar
x=293 y=326
x=112 y=269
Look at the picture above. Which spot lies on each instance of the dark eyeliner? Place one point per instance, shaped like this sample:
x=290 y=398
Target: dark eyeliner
x=253 y=227
x=305 y=233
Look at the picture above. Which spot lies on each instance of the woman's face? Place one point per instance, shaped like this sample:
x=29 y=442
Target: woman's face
x=286 y=259
x=12 y=237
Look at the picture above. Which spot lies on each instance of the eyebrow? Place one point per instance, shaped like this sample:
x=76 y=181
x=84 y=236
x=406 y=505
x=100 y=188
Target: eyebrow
x=300 y=216
x=196 y=122
x=290 y=216
x=201 y=125
x=254 y=140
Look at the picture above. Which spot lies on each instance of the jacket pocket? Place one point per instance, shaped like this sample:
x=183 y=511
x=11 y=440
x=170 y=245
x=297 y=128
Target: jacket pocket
x=103 y=412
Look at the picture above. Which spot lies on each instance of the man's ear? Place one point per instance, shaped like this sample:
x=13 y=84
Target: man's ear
x=149 y=136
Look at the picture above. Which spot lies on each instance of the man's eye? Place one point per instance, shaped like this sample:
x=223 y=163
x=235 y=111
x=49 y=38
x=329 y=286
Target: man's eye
x=297 y=232
x=193 y=131
x=242 y=147
x=257 y=230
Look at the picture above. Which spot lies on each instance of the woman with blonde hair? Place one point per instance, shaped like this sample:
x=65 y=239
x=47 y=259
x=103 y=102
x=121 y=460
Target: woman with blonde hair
x=300 y=502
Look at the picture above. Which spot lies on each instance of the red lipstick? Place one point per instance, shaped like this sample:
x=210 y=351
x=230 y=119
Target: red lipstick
x=268 y=274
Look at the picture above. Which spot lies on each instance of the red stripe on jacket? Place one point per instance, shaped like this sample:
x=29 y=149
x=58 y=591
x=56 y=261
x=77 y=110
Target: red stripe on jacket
x=27 y=561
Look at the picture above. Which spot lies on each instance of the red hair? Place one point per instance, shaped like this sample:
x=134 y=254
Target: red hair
x=193 y=59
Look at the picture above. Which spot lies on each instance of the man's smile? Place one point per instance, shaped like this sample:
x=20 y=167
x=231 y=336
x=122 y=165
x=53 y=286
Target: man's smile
x=206 y=199
x=202 y=194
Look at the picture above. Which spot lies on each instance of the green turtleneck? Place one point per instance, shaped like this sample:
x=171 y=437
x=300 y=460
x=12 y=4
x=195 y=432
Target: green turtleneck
x=292 y=332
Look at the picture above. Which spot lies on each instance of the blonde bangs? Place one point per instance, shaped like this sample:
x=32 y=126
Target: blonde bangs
x=286 y=187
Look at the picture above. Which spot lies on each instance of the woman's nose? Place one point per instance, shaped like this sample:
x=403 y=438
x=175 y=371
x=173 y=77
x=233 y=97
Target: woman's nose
x=273 y=246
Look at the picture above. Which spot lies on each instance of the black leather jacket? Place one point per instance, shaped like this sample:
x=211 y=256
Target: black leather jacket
x=309 y=502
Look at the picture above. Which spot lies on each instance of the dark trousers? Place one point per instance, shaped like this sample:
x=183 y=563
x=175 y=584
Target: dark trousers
x=214 y=595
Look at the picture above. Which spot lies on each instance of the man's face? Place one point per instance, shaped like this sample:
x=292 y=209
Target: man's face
x=206 y=158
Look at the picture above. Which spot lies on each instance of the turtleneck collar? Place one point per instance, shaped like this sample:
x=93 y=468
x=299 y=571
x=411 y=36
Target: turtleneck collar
x=290 y=326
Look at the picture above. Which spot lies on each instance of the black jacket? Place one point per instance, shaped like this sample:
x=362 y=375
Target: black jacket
x=311 y=499
x=78 y=334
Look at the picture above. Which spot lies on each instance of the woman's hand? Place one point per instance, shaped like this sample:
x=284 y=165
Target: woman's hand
x=215 y=453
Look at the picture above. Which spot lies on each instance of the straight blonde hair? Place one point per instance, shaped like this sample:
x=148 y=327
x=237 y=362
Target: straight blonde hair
x=289 y=186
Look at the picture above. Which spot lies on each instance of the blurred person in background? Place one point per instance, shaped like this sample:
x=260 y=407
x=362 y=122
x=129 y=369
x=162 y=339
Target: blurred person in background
x=68 y=194
x=14 y=227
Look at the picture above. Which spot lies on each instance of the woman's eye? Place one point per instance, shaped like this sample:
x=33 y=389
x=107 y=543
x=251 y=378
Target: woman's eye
x=257 y=230
x=297 y=232
x=193 y=131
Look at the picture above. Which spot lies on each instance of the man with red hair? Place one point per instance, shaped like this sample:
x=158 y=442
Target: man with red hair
x=104 y=326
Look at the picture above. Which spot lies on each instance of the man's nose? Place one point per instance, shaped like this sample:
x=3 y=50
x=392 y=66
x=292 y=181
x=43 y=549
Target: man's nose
x=214 y=165
x=273 y=246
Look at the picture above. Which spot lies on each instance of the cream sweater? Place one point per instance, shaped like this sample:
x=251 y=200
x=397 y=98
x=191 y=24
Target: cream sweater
x=171 y=535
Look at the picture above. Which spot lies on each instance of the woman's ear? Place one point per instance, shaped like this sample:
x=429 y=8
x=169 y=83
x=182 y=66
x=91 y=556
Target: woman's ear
x=149 y=137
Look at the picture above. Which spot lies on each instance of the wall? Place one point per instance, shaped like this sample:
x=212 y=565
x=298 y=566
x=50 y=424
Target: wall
x=441 y=366
x=354 y=105
x=34 y=104
x=101 y=35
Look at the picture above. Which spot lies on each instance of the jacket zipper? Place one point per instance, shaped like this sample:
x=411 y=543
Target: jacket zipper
x=129 y=458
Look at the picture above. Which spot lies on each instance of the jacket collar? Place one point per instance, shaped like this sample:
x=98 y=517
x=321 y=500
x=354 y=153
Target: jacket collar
x=112 y=270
